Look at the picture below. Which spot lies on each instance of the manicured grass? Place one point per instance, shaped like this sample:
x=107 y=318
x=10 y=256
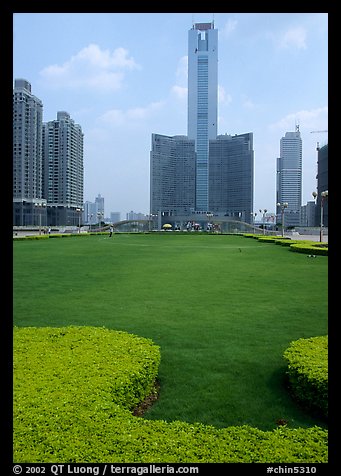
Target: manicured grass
x=222 y=308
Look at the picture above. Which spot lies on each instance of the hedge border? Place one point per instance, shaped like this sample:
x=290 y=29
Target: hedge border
x=307 y=360
x=100 y=426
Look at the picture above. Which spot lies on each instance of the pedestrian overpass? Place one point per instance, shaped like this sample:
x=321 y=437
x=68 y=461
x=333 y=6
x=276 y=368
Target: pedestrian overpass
x=222 y=225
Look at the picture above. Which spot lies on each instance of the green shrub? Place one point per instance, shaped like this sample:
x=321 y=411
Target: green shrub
x=300 y=246
x=75 y=387
x=308 y=371
x=31 y=237
x=309 y=248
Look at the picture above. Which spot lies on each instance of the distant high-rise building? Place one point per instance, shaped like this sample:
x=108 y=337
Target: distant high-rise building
x=63 y=179
x=289 y=178
x=115 y=217
x=29 y=206
x=308 y=214
x=322 y=185
x=231 y=176
x=89 y=213
x=94 y=211
x=99 y=201
x=202 y=101
x=135 y=215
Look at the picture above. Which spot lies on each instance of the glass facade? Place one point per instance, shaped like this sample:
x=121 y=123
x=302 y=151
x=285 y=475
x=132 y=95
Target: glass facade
x=201 y=173
x=202 y=100
x=172 y=175
x=289 y=178
x=231 y=162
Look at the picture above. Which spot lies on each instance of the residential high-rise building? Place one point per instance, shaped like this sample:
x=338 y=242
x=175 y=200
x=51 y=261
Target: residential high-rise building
x=289 y=179
x=63 y=177
x=202 y=101
x=29 y=206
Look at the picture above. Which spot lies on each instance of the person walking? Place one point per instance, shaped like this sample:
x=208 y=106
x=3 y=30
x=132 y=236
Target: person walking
x=110 y=231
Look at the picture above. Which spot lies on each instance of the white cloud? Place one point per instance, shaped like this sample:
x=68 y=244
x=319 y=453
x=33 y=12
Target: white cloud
x=182 y=70
x=229 y=27
x=294 y=38
x=223 y=96
x=118 y=117
x=247 y=102
x=180 y=91
x=91 y=68
x=314 y=119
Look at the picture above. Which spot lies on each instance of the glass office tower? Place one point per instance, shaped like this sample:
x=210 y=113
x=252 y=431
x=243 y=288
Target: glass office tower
x=231 y=162
x=289 y=178
x=202 y=100
x=172 y=175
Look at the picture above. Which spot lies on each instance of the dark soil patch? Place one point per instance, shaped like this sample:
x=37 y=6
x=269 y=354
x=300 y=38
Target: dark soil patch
x=143 y=406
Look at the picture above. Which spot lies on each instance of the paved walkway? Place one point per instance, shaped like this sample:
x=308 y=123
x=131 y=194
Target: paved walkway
x=308 y=237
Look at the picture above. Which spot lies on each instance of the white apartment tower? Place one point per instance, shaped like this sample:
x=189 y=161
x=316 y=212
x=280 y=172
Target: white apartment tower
x=289 y=178
x=27 y=156
x=63 y=169
x=202 y=101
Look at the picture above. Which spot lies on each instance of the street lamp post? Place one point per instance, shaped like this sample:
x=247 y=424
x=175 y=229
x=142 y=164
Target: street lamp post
x=283 y=206
x=264 y=212
x=209 y=216
x=324 y=196
x=253 y=218
x=151 y=217
x=79 y=211
x=99 y=215
x=40 y=206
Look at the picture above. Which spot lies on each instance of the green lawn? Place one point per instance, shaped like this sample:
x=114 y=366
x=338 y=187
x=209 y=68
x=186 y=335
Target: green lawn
x=222 y=308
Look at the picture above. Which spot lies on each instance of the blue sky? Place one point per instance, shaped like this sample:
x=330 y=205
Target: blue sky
x=123 y=76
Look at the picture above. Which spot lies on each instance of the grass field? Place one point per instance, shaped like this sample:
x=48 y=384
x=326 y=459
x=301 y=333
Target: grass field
x=222 y=308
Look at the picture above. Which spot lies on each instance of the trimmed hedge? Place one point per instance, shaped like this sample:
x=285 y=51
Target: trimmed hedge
x=30 y=237
x=300 y=246
x=310 y=248
x=75 y=387
x=308 y=371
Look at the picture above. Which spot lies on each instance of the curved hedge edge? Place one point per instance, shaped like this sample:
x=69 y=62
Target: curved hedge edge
x=307 y=360
x=78 y=420
x=310 y=249
x=300 y=246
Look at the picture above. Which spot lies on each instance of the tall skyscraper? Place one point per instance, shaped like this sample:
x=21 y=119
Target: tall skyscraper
x=202 y=101
x=63 y=169
x=289 y=178
x=29 y=206
x=201 y=173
